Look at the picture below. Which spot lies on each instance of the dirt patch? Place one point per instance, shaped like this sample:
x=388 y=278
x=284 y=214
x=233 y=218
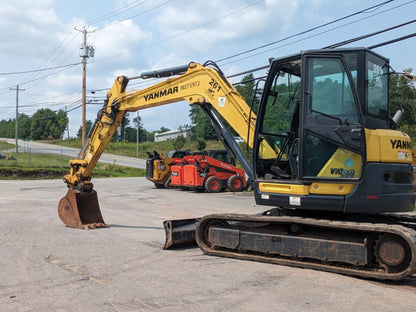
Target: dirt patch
x=32 y=173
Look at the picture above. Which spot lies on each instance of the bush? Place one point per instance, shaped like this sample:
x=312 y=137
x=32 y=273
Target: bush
x=179 y=143
x=200 y=144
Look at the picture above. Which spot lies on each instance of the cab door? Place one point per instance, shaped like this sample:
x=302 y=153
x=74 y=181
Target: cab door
x=332 y=135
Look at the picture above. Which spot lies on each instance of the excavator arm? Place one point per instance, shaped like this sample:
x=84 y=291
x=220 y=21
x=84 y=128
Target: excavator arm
x=194 y=83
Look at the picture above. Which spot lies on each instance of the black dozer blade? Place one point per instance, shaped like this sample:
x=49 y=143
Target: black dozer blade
x=180 y=233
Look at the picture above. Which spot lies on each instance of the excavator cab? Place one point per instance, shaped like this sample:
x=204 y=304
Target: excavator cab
x=326 y=114
x=339 y=174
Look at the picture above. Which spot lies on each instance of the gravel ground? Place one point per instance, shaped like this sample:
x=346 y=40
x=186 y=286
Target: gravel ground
x=49 y=267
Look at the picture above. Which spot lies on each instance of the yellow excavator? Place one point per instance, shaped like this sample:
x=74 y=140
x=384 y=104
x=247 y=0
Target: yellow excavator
x=327 y=157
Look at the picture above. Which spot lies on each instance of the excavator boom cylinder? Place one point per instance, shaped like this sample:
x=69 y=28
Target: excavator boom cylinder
x=167 y=72
x=81 y=210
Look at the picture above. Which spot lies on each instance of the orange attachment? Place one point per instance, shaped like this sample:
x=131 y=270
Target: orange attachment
x=81 y=210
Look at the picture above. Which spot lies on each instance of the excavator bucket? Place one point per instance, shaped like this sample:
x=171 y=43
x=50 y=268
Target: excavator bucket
x=180 y=233
x=81 y=210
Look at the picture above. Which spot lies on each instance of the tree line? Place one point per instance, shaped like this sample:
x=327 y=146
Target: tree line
x=45 y=124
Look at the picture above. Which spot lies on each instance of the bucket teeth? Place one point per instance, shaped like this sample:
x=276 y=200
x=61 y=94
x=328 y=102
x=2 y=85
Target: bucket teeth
x=81 y=210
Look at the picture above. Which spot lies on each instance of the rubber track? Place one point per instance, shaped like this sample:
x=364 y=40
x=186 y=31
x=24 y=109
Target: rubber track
x=407 y=233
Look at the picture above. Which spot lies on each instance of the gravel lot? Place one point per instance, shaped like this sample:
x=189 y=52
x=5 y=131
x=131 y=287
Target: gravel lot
x=49 y=267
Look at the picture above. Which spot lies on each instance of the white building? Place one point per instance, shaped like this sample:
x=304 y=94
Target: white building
x=173 y=134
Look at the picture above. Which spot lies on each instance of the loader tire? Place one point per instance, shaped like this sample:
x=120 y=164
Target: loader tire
x=212 y=185
x=235 y=183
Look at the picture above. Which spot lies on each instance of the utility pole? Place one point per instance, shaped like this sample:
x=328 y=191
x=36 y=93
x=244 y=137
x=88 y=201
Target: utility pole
x=17 y=114
x=85 y=52
x=67 y=123
x=137 y=134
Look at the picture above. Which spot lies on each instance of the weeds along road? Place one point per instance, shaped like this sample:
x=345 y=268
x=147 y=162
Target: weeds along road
x=73 y=152
x=49 y=267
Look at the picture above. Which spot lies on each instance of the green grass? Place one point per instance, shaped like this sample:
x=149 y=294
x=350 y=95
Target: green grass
x=130 y=148
x=6 y=146
x=44 y=166
x=31 y=160
x=41 y=166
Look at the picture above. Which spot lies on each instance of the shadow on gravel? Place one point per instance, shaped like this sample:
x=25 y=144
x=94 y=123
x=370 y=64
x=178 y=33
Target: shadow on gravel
x=408 y=283
x=135 y=227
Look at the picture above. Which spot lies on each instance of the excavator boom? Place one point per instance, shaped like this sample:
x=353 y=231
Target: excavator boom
x=197 y=84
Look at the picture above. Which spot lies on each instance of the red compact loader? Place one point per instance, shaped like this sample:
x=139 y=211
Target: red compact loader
x=201 y=172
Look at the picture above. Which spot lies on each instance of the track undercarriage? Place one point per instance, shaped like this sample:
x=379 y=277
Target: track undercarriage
x=383 y=248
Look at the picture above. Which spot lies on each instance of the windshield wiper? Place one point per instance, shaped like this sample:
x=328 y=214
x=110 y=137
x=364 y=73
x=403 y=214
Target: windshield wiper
x=329 y=116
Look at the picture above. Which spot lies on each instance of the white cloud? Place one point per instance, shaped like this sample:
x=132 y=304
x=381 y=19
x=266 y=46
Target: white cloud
x=119 y=38
x=163 y=36
x=65 y=82
x=168 y=60
x=42 y=16
x=208 y=27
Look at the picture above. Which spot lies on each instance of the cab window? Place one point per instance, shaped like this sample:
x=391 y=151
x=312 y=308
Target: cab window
x=331 y=93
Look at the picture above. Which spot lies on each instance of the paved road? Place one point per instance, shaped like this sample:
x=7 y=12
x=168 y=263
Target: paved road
x=73 y=152
x=46 y=266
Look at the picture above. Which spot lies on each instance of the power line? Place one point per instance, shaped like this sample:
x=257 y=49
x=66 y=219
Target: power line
x=114 y=13
x=335 y=45
x=347 y=42
x=368 y=35
x=185 y=32
x=69 y=41
x=48 y=75
x=320 y=33
x=138 y=14
x=392 y=41
x=48 y=60
x=76 y=107
x=39 y=70
x=36 y=81
x=172 y=37
x=364 y=11
x=305 y=31
x=368 y=10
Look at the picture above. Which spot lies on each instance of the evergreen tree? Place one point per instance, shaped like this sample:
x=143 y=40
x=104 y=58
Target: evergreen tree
x=247 y=89
x=24 y=125
x=7 y=128
x=403 y=96
x=202 y=127
x=88 y=125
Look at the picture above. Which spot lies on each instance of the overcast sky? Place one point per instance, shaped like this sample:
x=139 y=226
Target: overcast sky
x=133 y=36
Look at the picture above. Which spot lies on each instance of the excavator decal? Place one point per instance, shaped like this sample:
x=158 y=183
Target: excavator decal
x=189 y=85
x=400 y=144
x=159 y=94
x=215 y=85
